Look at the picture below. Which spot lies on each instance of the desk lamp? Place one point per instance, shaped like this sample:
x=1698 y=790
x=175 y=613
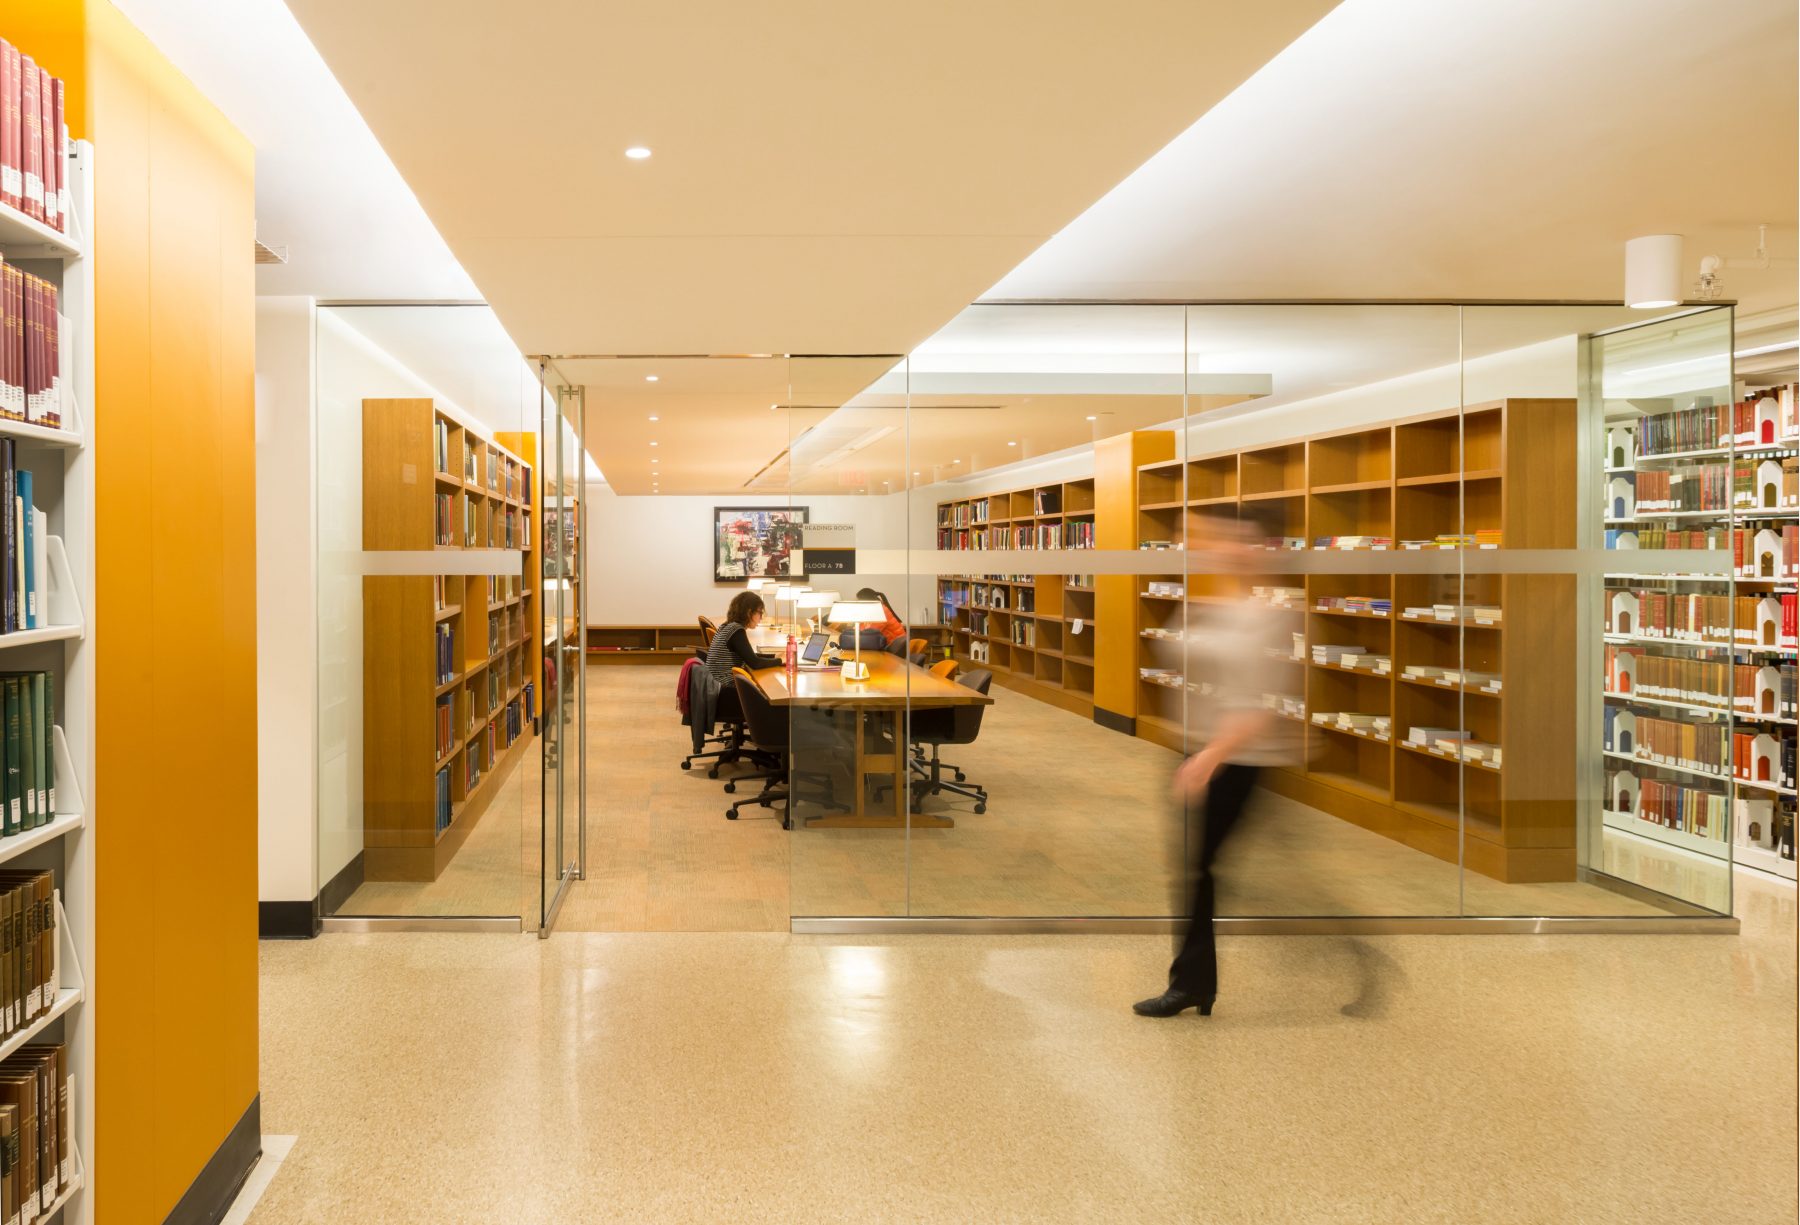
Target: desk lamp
x=857 y=613
x=787 y=593
x=816 y=600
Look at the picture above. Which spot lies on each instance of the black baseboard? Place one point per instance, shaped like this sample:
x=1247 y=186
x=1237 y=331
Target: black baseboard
x=209 y=1197
x=300 y=920
x=1116 y=723
x=338 y=889
x=286 y=920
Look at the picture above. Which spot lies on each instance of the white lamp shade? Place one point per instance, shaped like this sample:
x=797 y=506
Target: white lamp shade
x=857 y=612
x=756 y=584
x=1653 y=271
x=816 y=599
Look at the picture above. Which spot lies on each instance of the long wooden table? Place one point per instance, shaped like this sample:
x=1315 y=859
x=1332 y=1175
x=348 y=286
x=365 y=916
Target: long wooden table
x=894 y=686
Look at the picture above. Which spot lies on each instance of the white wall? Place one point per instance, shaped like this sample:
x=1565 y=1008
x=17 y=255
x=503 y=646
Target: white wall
x=286 y=626
x=650 y=558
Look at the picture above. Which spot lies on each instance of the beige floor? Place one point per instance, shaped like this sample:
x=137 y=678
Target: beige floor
x=1079 y=823
x=675 y=1077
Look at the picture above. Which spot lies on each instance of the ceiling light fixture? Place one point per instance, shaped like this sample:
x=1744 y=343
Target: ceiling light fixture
x=1653 y=271
x=637 y=153
x=1012 y=444
x=652 y=378
x=654 y=417
x=1093 y=418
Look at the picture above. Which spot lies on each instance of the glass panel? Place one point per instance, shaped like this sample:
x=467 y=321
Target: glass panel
x=423 y=419
x=1689 y=710
x=562 y=663
x=1326 y=433
x=845 y=469
x=1045 y=503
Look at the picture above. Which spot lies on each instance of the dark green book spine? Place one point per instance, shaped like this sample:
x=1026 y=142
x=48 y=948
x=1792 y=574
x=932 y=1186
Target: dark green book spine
x=50 y=741
x=15 y=800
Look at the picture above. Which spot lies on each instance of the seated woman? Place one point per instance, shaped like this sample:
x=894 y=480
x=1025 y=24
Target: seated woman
x=731 y=645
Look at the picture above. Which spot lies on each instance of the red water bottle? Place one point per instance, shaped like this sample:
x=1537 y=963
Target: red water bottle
x=791 y=657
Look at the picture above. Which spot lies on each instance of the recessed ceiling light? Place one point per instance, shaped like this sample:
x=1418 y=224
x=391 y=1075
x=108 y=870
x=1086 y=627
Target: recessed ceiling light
x=652 y=444
x=1012 y=444
x=654 y=417
x=915 y=474
x=637 y=153
x=1090 y=418
x=956 y=461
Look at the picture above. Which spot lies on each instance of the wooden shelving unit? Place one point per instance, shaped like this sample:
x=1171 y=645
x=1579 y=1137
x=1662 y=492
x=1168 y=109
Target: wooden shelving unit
x=641 y=644
x=479 y=496
x=1417 y=479
x=1036 y=633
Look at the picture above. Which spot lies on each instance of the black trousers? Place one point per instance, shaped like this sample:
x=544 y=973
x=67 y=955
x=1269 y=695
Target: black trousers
x=1209 y=819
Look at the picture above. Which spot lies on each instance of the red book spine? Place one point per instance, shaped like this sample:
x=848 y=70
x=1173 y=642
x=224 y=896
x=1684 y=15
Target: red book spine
x=8 y=365
x=59 y=152
x=32 y=368
x=47 y=135
x=53 y=339
x=31 y=154
x=12 y=178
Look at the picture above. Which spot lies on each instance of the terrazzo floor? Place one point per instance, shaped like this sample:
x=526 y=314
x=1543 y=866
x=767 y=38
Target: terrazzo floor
x=1079 y=822
x=682 y=1077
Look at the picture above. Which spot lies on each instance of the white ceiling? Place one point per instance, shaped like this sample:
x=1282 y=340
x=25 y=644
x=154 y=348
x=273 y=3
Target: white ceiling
x=1476 y=149
x=827 y=178
x=325 y=190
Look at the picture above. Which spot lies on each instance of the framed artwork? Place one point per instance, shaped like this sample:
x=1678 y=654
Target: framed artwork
x=757 y=542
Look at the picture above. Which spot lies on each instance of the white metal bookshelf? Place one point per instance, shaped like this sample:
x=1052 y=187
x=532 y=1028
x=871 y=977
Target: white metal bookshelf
x=1623 y=434
x=62 y=466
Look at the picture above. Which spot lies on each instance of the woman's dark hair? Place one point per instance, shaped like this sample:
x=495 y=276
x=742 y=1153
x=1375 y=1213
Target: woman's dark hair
x=744 y=605
x=869 y=593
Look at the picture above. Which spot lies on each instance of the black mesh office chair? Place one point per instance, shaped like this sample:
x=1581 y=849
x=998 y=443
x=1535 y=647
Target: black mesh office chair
x=775 y=736
x=935 y=727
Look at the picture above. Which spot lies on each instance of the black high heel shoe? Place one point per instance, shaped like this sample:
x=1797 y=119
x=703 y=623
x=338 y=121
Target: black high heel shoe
x=1172 y=1002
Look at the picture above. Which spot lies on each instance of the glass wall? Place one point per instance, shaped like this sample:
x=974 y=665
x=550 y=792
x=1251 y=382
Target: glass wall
x=1403 y=503
x=429 y=673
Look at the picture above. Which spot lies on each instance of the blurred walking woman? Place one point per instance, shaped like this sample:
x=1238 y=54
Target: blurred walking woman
x=1231 y=672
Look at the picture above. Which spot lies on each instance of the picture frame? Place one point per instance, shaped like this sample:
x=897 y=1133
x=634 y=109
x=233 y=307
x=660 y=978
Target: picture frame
x=758 y=542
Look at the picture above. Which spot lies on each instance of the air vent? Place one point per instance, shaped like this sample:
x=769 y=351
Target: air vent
x=265 y=254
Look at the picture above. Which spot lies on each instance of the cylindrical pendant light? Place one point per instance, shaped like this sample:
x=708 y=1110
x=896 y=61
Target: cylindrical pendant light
x=1653 y=271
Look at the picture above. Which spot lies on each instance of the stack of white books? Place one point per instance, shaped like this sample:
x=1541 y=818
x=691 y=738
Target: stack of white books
x=1381 y=665
x=1327 y=653
x=1428 y=737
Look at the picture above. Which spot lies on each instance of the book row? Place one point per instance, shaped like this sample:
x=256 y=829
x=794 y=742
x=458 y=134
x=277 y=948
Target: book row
x=24 y=551
x=37 y=1131
x=1745 y=690
x=1748 y=485
x=1771 y=620
x=28 y=700
x=32 y=354
x=34 y=141
x=441 y=803
x=1746 y=755
x=446 y=654
x=28 y=950
x=1756 y=552
x=1767 y=420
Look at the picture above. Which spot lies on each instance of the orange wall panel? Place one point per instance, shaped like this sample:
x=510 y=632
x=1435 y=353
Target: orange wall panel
x=175 y=1011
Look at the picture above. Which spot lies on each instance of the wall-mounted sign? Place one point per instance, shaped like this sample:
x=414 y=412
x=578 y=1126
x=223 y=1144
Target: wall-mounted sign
x=828 y=548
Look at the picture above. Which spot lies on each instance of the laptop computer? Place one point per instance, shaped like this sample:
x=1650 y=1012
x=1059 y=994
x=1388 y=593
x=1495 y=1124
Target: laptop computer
x=812 y=655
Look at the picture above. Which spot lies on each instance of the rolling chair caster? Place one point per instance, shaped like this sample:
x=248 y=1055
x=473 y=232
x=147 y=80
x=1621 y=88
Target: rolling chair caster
x=980 y=808
x=713 y=773
x=731 y=814
x=687 y=765
x=730 y=788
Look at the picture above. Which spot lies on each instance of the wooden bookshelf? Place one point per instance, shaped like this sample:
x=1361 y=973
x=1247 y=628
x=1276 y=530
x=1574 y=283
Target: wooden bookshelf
x=641 y=644
x=1415 y=479
x=1023 y=627
x=479 y=495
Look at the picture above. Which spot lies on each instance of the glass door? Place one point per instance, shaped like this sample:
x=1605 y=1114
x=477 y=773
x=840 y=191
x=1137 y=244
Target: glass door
x=562 y=844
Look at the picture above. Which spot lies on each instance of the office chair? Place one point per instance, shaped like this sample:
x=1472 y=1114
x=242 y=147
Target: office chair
x=773 y=735
x=944 y=668
x=708 y=628
x=934 y=728
x=731 y=743
x=915 y=651
x=896 y=647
